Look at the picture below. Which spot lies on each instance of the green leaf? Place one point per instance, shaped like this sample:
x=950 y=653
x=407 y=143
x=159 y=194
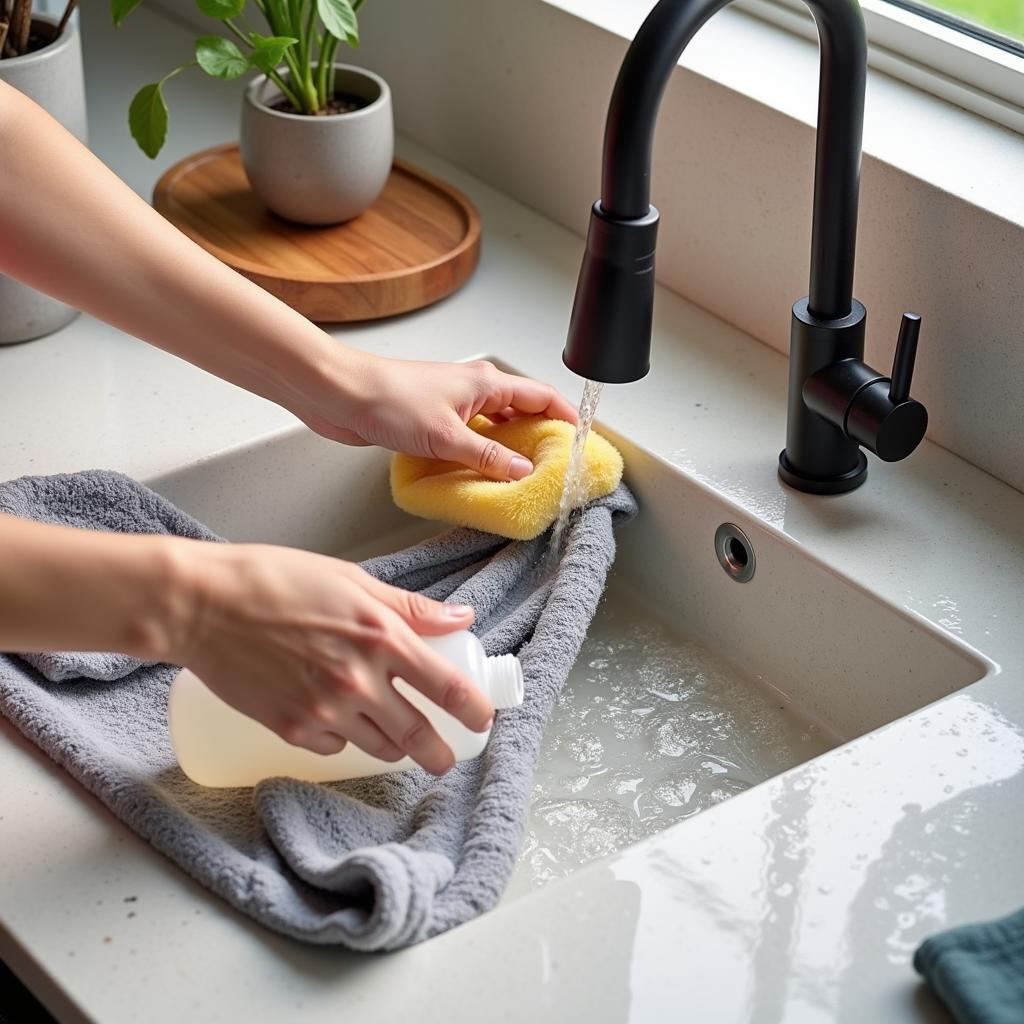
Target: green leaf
x=268 y=51
x=147 y=119
x=339 y=19
x=221 y=9
x=220 y=57
x=120 y=9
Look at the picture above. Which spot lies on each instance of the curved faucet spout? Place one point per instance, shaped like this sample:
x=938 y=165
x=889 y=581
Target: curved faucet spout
x=609 y=334
x=837 y=403
x=629 y=132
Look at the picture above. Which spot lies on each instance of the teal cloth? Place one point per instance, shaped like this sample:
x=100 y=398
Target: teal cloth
x=977 y=970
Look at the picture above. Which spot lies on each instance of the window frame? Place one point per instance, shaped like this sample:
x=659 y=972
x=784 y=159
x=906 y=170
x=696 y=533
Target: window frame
x=960 y=66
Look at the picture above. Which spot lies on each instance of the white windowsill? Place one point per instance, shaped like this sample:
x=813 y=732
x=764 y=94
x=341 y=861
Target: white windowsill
x=929 y=55
x=954 y=150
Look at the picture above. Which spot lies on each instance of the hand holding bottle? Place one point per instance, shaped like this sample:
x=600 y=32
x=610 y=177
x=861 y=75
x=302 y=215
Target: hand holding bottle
x=309 y=645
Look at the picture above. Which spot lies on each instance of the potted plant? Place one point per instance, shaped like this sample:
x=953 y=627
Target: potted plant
x=41 y=57
x=317 y=138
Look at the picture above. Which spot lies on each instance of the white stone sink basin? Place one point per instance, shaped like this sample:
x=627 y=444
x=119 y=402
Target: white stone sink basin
x=692 y=686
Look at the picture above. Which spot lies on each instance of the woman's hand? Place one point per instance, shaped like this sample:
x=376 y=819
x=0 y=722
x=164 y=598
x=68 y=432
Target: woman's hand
x=308 y=645
x=422 y=409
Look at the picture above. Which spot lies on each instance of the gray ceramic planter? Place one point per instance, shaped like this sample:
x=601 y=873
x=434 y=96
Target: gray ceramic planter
x=52 y=77
x=319 y=170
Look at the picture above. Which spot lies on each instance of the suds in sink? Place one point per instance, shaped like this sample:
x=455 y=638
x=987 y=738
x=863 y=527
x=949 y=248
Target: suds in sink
x=651 y=728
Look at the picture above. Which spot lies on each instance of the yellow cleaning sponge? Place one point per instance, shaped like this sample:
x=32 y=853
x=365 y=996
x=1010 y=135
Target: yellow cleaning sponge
x=519 y=509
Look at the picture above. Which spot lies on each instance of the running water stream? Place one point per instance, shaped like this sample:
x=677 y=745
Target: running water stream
x=573 y=489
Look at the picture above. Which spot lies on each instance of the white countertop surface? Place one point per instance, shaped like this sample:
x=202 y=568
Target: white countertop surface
x=800 y=900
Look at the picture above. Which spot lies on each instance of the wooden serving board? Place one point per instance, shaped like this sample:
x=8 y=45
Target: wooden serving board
x=418 y=243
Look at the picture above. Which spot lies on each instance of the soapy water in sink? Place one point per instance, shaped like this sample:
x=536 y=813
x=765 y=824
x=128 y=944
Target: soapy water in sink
x=572 y=488
x=651 y=728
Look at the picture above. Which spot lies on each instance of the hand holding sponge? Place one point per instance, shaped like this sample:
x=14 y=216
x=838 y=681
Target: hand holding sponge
x=518 y=509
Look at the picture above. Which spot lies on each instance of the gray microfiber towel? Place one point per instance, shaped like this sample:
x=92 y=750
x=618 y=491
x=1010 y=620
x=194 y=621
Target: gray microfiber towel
x=373 y=864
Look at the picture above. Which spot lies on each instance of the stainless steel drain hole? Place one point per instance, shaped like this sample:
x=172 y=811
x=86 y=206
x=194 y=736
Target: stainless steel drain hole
x=735 y=553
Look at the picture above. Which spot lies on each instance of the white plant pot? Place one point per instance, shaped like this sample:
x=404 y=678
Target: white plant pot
x=319 y=169
x=51 y=77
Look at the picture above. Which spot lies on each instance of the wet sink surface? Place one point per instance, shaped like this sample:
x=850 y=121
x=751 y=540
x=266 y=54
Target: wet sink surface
x=652 y=728
x=691 y=687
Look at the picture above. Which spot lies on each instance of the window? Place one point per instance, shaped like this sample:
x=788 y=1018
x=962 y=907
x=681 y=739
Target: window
x=970 y=52
x=1001 y=21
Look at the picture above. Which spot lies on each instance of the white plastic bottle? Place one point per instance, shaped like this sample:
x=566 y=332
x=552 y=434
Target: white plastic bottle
x=219 y=746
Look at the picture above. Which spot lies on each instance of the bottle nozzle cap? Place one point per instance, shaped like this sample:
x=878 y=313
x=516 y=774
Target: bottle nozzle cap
x=505 y=682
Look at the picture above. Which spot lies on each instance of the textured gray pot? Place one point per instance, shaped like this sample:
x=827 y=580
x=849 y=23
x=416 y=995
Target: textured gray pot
x=52 y=77
x=319 y=170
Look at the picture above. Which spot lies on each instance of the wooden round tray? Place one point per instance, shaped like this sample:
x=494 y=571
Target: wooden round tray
x=418 y=242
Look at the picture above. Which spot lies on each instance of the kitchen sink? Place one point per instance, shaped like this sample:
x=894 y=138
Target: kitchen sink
x=722 y=654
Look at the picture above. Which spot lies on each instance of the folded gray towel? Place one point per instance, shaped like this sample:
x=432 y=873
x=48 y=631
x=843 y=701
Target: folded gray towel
x=372 y=864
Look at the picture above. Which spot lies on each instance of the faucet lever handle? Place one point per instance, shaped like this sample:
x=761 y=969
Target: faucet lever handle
x=903 y=360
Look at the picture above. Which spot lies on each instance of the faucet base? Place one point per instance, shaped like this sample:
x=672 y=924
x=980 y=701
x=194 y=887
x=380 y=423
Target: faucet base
x=840 y=484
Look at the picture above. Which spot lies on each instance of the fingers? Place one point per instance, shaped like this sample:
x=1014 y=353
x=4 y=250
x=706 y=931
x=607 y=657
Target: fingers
x=506 y=414
x=323 y=742
x=485 y=455
x=426 y=617
x=399 y=625
x=374 y=716
x=443 y=683
x=506 y=391
x=365 y=734
x=319 y=731
x=379 y=720
x=305 y=730
x=500 y=396
x=406 y=655
x=365 y=634
x=361 y=731
x=410 y=732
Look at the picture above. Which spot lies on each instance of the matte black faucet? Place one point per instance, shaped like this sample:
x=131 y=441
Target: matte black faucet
x=836 y=402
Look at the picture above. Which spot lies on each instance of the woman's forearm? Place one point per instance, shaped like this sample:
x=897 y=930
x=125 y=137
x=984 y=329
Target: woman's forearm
x=70 y=227
x=65 y=589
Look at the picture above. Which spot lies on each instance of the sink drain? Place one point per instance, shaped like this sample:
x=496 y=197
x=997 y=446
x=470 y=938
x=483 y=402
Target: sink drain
x=735 y=553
